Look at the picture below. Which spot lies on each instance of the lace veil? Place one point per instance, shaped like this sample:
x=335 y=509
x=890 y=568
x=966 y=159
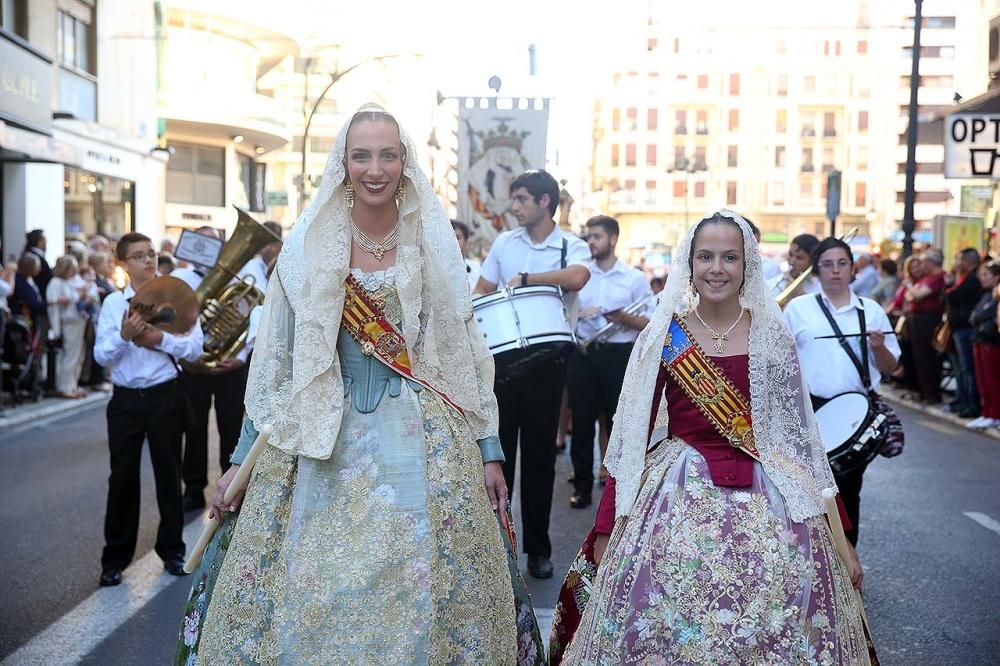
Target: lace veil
x=295 y=383
x=783 y=421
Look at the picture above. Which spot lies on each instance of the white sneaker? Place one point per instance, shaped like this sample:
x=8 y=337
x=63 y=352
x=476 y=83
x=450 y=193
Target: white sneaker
x=977 y=423
x=990 y=423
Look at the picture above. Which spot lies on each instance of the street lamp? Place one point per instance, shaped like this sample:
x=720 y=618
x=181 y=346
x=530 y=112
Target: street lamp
x=687 y=165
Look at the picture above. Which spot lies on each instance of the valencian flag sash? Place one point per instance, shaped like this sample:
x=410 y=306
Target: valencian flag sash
x=364 y=319
x=709 y=388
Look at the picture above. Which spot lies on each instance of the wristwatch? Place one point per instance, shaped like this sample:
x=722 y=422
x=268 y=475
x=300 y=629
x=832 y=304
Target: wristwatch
x=524 y=279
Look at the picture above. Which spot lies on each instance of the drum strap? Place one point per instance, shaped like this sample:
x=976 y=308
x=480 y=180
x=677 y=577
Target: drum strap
x=725 y=406
x=364 y=319
x=562 y=253
x=861 y=365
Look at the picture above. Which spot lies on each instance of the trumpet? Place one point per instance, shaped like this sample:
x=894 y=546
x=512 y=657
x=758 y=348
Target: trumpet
x=791 y=290
x=613 y=327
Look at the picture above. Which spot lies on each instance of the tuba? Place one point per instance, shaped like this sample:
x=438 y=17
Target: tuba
x=225 y=307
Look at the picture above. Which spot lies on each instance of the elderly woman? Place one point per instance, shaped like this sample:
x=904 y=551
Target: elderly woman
x=369 y=532
x=66 y=324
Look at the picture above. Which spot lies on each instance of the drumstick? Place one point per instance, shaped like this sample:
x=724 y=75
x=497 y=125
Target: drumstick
x=242 y=474
x=853 y=335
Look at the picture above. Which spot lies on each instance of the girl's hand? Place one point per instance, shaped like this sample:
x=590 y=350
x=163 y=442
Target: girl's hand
x=496 y=489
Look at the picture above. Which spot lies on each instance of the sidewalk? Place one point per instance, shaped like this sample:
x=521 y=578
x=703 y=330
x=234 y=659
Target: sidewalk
x=894 y=395
x=48 y=408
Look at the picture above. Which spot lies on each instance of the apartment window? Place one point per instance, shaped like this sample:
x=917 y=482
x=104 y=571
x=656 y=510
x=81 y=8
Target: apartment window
x=13 y=17
x=836 y=48
x=860 y=195
x=75 y=37
x=699 y=190
x=702 y=81
x=778 y=194
x=862 y=46
x=631 y=118
x=734 y=84
x=861 y=158
x=782 y=85
x=779 y=156
x=810 y=83
x=808 y=123
x=320 y=144
x=701 y=122
x=677 y=45
x=652 y=119
x=680 y=159
x=699 y=158
x=930 y=81
x=807 y=159
x=862 y=121
x=926 y=197
x=734 y=120
x=806 y=189
x=650 y=192
x=827 y=160
x=781 y=121
x=829 y=124
x=732 y=156
x=935 y=22
x=630 y=154
x=651 y=155
x=731 y=193
x=616 y=155
x=826 y=47
x=616 y=119
x=678 y=189
x=630 y=191
x=680 y=122
x=651 y=44
x=196 y=175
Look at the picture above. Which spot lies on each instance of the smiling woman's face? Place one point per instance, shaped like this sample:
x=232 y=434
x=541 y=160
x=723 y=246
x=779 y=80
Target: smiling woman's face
x=717 y=262
x=374 y=161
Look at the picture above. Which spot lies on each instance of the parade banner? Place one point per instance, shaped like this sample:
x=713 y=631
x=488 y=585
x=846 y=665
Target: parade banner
x=495 y=145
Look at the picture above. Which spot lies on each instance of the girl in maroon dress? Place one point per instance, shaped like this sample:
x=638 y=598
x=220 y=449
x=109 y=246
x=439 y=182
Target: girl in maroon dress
x=718 y=550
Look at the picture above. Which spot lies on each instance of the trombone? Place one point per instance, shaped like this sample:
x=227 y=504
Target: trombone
x=791 y=290
x=613 y=327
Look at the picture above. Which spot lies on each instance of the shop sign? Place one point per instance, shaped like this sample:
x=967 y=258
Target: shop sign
x=25 y=87
x=972 y=145
x=277 y=198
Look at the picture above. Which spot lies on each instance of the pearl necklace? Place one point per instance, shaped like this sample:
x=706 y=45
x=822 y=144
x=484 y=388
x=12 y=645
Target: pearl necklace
x=720 y=338
x=379 y=248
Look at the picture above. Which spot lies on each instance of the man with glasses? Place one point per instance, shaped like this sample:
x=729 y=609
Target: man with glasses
x=829 y=370
x=147 y=404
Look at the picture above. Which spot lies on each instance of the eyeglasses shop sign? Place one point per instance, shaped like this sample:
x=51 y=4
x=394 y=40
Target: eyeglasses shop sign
x=972 y=145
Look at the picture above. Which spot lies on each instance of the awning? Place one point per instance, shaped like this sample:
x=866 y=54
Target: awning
x=19 y=145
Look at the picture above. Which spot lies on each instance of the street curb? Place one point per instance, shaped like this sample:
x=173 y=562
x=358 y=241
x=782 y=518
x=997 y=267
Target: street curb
x=893 y=396
x=48 y=409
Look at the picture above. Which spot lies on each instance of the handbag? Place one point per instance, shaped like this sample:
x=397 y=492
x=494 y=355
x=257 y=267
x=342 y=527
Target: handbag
x=943 y=342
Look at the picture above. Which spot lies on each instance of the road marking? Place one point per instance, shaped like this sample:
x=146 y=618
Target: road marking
x=75 y=635
x=984 y=520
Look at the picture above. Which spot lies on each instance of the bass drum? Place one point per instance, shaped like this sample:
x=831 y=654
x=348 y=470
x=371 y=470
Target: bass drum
x=523 y=326
x=851 y=430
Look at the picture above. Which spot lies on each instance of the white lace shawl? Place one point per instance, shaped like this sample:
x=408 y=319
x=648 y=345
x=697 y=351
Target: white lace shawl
x=294 y=381
x=783 y=421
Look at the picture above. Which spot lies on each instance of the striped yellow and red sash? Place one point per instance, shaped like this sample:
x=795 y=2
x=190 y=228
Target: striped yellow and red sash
x=364 y=319
x=703 y=381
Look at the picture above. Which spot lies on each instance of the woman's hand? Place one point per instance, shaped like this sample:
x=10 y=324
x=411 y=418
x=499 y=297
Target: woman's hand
x=600 y=545
x=218 y=505
x=496 y=489
x=854 y=567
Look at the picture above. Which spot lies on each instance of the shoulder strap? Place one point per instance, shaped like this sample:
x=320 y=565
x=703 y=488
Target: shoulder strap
x=860 y=365
x=562 y=254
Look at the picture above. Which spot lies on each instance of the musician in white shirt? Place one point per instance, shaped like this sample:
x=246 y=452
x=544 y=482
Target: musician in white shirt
x=147 y=403
x=596 y=373
x=800 y=252
x=536 y=253
x=827 y=368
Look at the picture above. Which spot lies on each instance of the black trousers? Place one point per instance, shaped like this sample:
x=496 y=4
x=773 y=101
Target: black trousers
x=849 y=485
x=529 y=414
x=228 y=389
x=157 y=415
x=595 y=382
x=921 y=326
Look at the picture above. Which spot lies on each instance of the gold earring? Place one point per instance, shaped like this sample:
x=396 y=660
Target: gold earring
x=349 y=194
x=400 y=193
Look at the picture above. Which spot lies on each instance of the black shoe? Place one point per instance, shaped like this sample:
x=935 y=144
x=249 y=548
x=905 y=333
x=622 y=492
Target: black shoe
x=579 y=501
x=175 y=567
x=111 y=576
x=193 y=503
x=955 y=407
x=539 y=566
x=969 y=413
x=571 y=478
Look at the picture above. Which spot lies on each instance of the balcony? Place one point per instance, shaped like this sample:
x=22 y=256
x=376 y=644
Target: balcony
x=807 y=168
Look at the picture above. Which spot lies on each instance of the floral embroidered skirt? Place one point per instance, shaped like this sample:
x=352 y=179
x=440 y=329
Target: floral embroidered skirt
x=700 y=574
x=388 y=552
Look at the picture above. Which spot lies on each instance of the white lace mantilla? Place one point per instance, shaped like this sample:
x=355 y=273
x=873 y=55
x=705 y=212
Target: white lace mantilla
x=783 y=421
x=295 y=383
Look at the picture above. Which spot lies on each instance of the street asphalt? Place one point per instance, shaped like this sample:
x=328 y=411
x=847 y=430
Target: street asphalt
x=930 y=535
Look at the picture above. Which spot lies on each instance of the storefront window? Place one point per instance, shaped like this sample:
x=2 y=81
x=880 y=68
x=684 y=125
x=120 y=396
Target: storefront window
x=98 y=204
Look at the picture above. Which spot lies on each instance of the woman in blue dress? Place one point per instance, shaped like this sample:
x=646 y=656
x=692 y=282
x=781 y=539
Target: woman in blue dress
x=370 y=531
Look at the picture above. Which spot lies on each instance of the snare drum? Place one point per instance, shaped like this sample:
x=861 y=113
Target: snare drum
x=523 y=326
x=851 y=429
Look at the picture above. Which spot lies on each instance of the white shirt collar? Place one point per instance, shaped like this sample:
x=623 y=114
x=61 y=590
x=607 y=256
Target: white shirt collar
x=618 y=267
x=554 y=239
x=855 y=302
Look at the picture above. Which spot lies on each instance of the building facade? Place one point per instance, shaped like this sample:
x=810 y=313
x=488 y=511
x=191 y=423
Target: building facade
x=78 y=121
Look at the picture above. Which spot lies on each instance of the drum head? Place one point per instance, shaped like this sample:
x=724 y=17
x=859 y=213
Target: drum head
x=841 y=418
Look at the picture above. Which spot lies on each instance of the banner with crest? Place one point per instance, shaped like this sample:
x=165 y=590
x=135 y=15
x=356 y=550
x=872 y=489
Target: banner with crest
x=495 y=145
